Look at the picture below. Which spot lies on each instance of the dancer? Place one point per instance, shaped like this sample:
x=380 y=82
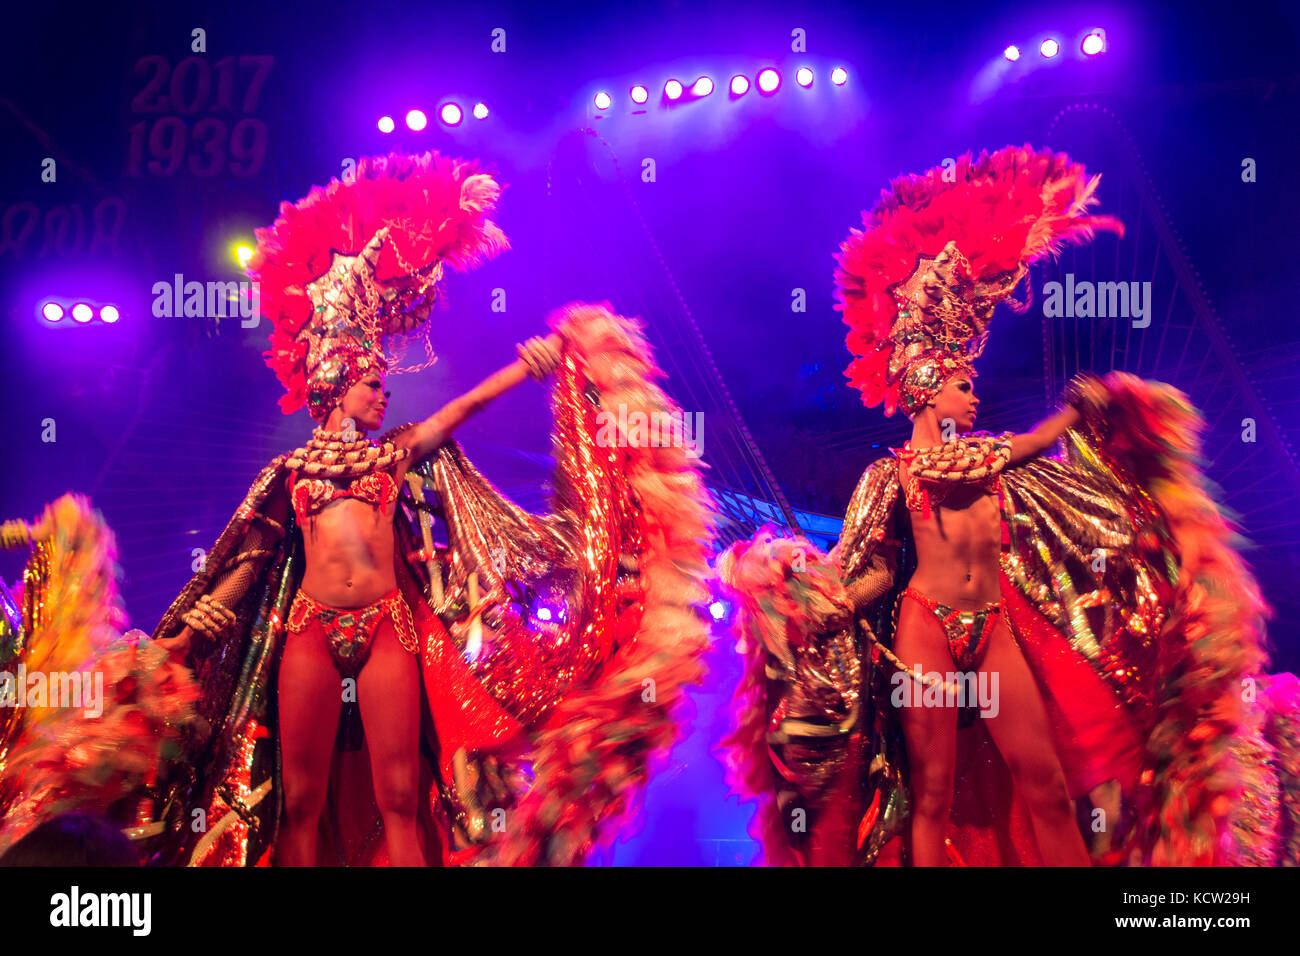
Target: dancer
x=1096 y=597
x=472 y=728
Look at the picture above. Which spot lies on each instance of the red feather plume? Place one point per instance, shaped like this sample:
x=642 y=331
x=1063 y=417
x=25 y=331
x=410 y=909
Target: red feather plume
x=1007 y=209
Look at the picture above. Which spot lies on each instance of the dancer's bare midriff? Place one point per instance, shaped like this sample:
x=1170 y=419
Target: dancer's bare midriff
x=349 y=553
x=957 y=548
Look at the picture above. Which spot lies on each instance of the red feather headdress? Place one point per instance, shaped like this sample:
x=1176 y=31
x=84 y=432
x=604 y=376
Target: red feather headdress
x=360 y=259
x=918 y=284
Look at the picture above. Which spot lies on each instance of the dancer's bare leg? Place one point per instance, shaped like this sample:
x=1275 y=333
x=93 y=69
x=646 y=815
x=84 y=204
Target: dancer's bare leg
x=930 y=735
x=388 y=691
x=310 y=695
x=1023 y=736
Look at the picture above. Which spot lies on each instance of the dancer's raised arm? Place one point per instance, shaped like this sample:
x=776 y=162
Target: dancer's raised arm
x=538 y=357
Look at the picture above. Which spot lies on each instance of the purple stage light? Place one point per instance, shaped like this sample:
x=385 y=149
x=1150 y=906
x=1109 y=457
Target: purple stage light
x=52 y=311
x=673 y=90
x=82 y=312
x=416 y=120
x=1012 y=53
x=1094 y=43
x=640 y=94
x=1049 y=48
x=603 y=100
x=109 y=314
x=480 y=111
x=386 y=124
x=769 y=80
x=451 y=114
x=839 y=76
x=718 y=609
x=804 y=77
x=739 y=85
x=703 y=86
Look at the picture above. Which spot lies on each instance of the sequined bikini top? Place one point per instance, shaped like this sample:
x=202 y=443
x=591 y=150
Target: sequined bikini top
x=933 y=472
x=311 y=495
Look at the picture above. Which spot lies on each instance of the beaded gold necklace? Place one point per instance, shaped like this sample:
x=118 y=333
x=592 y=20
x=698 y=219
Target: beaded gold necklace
x=330 y=455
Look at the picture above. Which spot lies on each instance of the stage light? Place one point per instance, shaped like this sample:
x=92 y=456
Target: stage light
x=386 y=124
x=480 y=111
x=109 y=314
x=1094 y=43
x=52 y=311
x=640 y=94
x=551 y=613
x=1012 y=53
x=839 y=76
x=451 y=114
x=703 y=86
x=82 y=312
x=769 y=80
x=1049 y=48
x=416 y=120
x=739 y=85
x=673 y=89
x=718 y=609
x=603 y=100
x=804 y=77
x=242 y=254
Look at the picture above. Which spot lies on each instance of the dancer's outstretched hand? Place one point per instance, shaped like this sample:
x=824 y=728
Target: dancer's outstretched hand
x=541 y=355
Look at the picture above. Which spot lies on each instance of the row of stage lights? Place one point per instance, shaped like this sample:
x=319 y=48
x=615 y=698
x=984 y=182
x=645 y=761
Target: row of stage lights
x=450 y=113
x=768 y=82
x=1092 y=44
x=82 y=312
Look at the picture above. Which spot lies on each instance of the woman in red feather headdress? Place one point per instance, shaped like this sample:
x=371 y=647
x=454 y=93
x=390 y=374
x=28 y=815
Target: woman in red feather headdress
x=354 y=685
x=1044 y=647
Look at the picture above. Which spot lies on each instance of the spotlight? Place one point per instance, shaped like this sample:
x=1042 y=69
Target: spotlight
x=242 y=254
x=52 y=311
x=82 y=312
x=640 y=94
x=839 y=76
x=1094 y=43
x=109 y=314
x=769 y=80
x=603 y=100
x=703 y=86
x=1012 y=53
x=416 y=120
x=739 y=85
x=673 y=90
x=386 y=124
x=551 y=613
x=1049 y=48
x=804 y=77
x=480 y=111
x=451 y=114
x=718 y=610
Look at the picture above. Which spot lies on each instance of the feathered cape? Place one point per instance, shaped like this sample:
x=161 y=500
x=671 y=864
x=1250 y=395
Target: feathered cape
x=1138 y=618
x=537 y=738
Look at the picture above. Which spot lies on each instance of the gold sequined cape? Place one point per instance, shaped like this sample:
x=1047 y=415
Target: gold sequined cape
x=523 y=770
x=1117 y=546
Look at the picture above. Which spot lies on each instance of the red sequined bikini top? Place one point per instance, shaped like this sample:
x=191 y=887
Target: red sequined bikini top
x=311 y=495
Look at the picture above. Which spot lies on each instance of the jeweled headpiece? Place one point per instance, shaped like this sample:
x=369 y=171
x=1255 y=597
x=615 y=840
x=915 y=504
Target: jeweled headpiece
x=918 y=284
x=360 y=260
